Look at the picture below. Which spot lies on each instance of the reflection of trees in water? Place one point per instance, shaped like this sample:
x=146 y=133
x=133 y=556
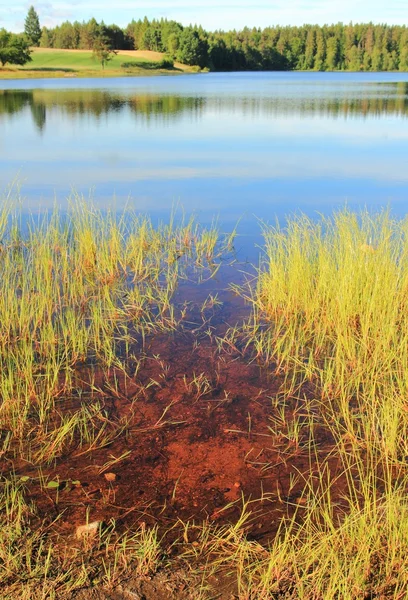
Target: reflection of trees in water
x=152 y=107
x=387 y=99
x=14 y=101
x=391 y=100
x=97 y=104
x=148 y=108
x=39 y=113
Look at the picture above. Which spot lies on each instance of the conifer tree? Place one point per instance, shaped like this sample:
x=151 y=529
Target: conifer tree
x=32 y=27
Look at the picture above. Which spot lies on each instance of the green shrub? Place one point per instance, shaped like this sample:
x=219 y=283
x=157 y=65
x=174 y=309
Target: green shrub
x=166 y=63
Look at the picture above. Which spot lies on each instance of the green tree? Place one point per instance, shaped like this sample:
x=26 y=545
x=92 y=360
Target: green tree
x=46 y=40
x=117 y=37
x=310 y=49
x=320 y=56
x=360 y=46
x=333 y=53
x=14 y=49
x=377 y=60
x=192 y=50
x=354 y=61
x=367 y=60
x=136 y=31
x=219 y=55
x=102 y=49
x=66 y=36
x=89 y=33
x=403 y=51
x=32 y=27
x=172 y=44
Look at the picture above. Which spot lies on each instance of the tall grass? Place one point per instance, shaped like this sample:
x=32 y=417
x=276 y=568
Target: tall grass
x=83 y=289
x=329 y=316
x=330 y=307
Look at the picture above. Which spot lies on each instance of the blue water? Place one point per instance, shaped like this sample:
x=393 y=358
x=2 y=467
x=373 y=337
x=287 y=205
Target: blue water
x=241 y=144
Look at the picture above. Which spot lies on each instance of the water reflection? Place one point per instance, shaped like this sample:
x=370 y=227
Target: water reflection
x=219 y=144
x=12 y=102
x=390 y=99
x=96 y=103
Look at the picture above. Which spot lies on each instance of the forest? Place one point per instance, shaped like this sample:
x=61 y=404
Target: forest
x=352 y=47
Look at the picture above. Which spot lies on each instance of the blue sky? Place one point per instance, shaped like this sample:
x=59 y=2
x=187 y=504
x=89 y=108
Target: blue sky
x=211 y=14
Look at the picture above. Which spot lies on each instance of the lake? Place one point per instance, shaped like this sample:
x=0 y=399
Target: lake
x=233 y=145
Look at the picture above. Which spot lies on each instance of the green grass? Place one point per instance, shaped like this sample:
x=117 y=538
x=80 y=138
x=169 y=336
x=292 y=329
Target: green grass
x=79 y=290
x=330 y=307
x=59 y=59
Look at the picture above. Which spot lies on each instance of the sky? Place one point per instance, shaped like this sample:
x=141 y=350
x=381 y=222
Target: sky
x=211 y=14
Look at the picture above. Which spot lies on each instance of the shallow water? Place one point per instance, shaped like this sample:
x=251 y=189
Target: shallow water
x=263 y=144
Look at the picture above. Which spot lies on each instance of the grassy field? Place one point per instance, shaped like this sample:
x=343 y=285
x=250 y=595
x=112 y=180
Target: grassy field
x=80 y=63
x=150 y=449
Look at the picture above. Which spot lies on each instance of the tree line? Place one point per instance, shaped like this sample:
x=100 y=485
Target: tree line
x=353 y=47
x=358 y=47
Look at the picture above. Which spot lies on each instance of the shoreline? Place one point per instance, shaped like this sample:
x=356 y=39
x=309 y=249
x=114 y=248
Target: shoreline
x=8 y=74
x=50 y=63
x=61 y=74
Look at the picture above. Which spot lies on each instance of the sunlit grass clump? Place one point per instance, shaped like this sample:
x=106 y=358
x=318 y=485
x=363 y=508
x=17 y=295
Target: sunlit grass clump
x=330 y=307
x=83 y=289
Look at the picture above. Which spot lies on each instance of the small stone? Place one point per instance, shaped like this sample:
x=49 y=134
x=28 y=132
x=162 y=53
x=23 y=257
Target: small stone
x=237 y=484
x=88 y=530
x=110 y=477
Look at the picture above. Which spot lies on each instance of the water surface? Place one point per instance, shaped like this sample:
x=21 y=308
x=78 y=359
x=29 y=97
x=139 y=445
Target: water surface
x=234 y=144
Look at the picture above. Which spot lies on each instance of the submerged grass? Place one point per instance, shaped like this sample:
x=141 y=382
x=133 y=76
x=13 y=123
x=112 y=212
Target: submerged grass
x=82 y=289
